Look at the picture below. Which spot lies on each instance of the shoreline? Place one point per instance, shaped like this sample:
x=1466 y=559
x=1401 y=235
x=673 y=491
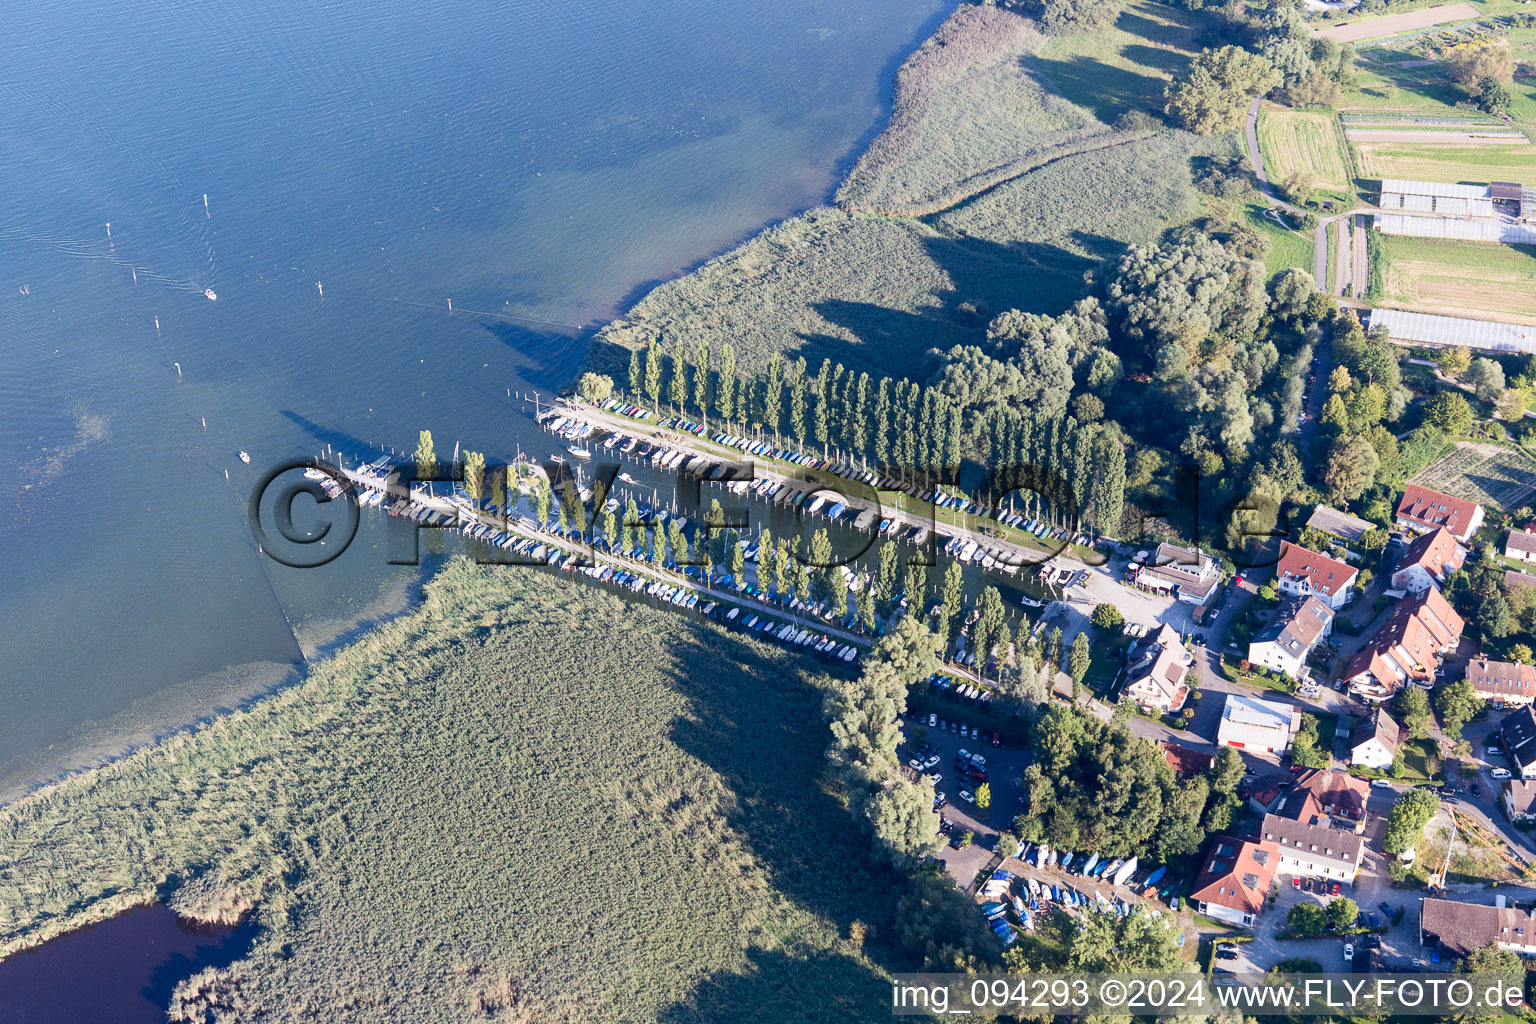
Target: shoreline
x=92 y=746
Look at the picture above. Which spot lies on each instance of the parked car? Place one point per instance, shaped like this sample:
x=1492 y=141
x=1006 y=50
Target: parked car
x=1386 y=908
x=967 y=796
x=1295 y=881
x=1336 y=889
x=1381 y=784
x=1349 y=951
x=1226 y=953
x=1477 y=790
x=1499 y=773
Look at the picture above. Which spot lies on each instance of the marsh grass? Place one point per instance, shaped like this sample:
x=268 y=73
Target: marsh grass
x=523 y=796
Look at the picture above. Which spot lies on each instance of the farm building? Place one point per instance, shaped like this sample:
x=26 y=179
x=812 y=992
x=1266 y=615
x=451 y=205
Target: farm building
x=1435 y=197
x=1458 y=229
x=1432 y=329
x=1338 y=524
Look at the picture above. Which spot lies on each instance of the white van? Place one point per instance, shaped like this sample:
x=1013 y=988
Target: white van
x=1499 y=773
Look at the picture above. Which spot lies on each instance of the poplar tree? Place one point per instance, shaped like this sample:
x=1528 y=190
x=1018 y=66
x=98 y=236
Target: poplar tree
x=701 y=376
x=882 y=425
x=797 y=387
x=474 y=476
x=765 y=553
x=635 y=379
x=949 y=600
x=678 y=392
x=727 y=390
x=426 y=456
x=653 y=374
x=773 y=395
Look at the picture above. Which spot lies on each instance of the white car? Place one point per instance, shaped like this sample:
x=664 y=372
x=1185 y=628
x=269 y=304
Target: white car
x=1349 y=951
x=1381 y=784
x=967 y=796
x=1499 y=773
x=936 y=777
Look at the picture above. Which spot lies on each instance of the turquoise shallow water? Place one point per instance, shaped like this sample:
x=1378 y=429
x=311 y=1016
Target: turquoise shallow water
x=525 y=160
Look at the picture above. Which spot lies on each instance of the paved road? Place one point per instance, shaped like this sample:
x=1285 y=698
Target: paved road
x=1320 y=233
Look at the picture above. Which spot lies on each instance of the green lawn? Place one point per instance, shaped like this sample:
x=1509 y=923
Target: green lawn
x=1286 y=248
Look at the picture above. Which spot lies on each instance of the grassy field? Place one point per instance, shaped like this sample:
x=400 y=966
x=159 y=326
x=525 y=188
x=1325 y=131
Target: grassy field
x=1461 y=278
x=967 y=113
x=1428 y=162
x=1303 y=140
x=527 y=800
x=1126 y=66
x=1493 y=475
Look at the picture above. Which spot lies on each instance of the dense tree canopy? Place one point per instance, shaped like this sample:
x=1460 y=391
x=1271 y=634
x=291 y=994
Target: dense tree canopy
x=1213 y=92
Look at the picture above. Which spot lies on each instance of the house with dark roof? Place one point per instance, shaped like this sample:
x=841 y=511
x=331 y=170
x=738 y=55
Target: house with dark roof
x=1520 y=545
x=1519 y=734
x=1428 y=561
x=1503 y=682
x=1314 y=851
x=1407 y=648
x=1459 y=928
x=1423 y=510
x=1285 y=644
x=1327 y=797
x=1304 y=573
x=1235 y=880
x=1157 y=671
x=1518 y=799
x=1342 y=525
x=1373 y=740
x=1514 y=578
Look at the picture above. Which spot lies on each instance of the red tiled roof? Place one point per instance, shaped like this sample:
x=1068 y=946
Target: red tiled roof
x=1438 y=552
x=1237 y=874
x=1325 y=575
x=1411 y=639
x=1430 y=508
x=1185 y=762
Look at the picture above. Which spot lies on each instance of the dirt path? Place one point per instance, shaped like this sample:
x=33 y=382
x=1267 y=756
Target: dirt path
x=1359 y=259
x=1392 y=24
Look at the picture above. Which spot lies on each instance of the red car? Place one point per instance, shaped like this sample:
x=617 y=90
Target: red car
x=997 y=739
x=1336 y=889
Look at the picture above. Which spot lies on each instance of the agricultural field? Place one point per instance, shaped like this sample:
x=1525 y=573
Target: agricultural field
x=1492 y=475
x=1448 y=163
x=1356 y=29
x=1303 y=141
x=1479 y=280
x=526 y=800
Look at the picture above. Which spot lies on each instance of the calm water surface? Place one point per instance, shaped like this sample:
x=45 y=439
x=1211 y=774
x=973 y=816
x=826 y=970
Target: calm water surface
x=528 y=159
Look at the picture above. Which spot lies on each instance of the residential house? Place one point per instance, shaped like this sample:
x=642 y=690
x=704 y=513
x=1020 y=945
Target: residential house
x=1519 y=800
x=1373 y=741
x=1407 y=648
x=1325 y=796
x=1262 y=726
x=1428 y=561
x=1157 y=670
x=1423 y=510
x=1186 y=762
x=1506 y=682
x=1519 y=734
x=1314 y=851
x=1342 y=525
x=1235 y=880
x=1459 y=928
x=1514 y=578
x=1297 y=628
x=1520 y=545
x=1189 y=574
x=1303 y=573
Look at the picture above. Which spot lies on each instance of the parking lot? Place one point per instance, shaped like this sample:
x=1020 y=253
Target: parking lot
x=1004 y=766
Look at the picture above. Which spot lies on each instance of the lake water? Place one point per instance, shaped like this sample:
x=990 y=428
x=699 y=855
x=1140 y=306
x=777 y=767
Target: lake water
x=531 y=159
